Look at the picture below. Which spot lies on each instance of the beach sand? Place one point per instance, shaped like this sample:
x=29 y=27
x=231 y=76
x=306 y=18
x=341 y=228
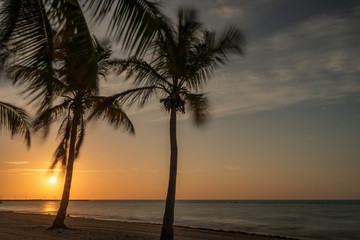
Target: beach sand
x=34 y=226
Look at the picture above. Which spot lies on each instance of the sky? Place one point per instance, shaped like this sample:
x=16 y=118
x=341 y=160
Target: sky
x=285 y=118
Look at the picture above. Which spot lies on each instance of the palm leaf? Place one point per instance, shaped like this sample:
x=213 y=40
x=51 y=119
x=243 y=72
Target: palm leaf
x=50 y=115
x=9 y=13
x=129 y=97
x=145 y=73
x=80 y=137
x=79 y=54
x=107 y=109
x=60 y=154
x=16 y=120
x=134 y=22
x=26 y=39
x=210 y=53
x=198 y=106
x=103 y=58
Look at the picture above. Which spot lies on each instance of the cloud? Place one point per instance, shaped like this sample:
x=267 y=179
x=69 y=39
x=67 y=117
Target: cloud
x=145 y=170
x=226 y=11
x=316 y=59
x=33 y=171
x=25 y=171
x=18 y=162
x=194 y=171
x=228 y=167
x=236 y=168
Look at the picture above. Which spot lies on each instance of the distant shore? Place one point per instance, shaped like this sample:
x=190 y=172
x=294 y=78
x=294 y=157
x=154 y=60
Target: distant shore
x=9 y=200
x=34 y=226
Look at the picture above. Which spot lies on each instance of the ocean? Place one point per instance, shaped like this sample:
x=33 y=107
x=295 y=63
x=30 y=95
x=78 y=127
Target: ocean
x=304 y=219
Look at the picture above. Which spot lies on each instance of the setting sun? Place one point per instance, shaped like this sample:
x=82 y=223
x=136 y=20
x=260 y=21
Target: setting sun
x=52 y=180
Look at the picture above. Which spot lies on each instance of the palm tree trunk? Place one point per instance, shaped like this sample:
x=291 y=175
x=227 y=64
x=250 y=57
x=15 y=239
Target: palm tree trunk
x=60 y=217
x=167 y=231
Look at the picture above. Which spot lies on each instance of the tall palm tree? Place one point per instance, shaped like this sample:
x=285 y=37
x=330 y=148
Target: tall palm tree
x=183 y=58
x=16 y=120
x=78 y=103
x=74 y=106
x=54 y=55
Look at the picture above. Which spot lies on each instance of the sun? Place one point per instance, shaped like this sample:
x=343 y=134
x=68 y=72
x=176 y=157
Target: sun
x=52 y=180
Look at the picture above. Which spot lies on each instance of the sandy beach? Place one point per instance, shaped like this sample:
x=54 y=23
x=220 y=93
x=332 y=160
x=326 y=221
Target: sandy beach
x=34 y=226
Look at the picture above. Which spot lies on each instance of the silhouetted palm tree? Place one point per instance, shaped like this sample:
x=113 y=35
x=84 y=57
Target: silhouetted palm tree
x=183 y=59
x=16 y=120
x=78 y=103
x=53 y=54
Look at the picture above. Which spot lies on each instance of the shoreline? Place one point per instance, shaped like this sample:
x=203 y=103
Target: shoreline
x=15 y=225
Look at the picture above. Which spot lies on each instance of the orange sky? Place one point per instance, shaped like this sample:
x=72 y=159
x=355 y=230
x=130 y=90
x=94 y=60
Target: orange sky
x=284 y=123
x=113 y=165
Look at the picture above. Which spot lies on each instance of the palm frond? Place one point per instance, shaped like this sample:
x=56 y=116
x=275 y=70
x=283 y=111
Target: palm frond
x=134 y=22
x=9 y=14
x=145 y=74
x=107 y=109
x=141 y=95
x=231 y=40
x=80 y=137
x=27 y=40
x=49 y=115
x=198 y=106
x=60 y=154
x=212 y=52
x=16 y=120
x=103 y=58
x=79 y=53
x=188 y=27
x=65 y=126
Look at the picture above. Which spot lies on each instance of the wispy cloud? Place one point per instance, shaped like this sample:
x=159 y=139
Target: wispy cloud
x=33 y=171
x=195 y=170
x=229 y=167
x=26 y=171
x=18 y=162
x=315 y=59
x=236 y=168
x=145 y=170
x=226 y=11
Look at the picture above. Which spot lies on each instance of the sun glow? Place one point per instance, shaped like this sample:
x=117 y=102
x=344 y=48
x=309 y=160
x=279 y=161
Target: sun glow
x=52 y=180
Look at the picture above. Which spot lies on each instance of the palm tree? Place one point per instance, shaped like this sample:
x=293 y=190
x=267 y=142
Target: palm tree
x=183 y=58
x=73 y=107
x=78 y=103
x=16 y=120
x=58 y=61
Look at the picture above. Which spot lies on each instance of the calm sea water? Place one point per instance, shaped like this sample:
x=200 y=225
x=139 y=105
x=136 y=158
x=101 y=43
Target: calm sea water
x=299 y=219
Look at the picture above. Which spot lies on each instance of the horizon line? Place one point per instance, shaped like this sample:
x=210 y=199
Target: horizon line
x=116 y=199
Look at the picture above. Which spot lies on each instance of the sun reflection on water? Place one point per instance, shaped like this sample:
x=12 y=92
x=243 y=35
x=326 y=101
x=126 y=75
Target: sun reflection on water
x=50 y=207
